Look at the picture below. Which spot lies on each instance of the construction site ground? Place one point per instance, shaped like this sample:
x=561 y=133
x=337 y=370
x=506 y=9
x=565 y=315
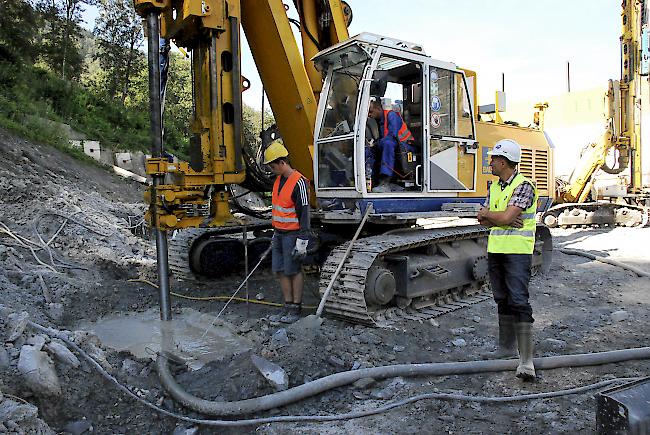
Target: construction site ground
x=84 y=284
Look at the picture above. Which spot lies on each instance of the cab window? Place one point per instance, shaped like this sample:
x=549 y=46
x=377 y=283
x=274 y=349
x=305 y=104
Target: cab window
x=450 y=108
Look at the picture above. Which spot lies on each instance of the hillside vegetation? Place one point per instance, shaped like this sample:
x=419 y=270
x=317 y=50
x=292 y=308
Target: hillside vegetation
x=52 y=69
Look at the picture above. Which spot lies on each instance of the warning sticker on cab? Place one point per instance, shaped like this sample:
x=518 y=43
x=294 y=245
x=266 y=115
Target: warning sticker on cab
x=485 y=161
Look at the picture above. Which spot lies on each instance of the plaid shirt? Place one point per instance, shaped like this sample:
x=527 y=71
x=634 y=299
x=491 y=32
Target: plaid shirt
x=522 y=196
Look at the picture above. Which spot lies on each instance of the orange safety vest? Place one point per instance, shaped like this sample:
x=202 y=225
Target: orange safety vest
x=284 y=215
x=403 y=135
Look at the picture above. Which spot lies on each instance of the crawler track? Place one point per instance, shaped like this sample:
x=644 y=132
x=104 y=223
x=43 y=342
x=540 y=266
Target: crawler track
x=596 y=214
x=395 y=314
x=179 y=248
x=198 y=254
x=347 y=300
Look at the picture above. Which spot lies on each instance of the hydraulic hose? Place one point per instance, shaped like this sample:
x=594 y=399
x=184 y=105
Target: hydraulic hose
x=634 y=269
x=623 y=162
x=282 y=398
x=320 y=418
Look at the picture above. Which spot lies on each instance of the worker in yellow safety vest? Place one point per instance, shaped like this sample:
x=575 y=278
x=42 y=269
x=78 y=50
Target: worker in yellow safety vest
x=291 y=222
x=509 y=211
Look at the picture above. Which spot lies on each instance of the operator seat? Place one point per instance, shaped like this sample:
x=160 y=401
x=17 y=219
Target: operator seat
x=406 y=161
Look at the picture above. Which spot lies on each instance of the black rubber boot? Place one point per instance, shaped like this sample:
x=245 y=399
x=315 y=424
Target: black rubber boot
x=507 y=337
x=526 y=369
x=507 y=343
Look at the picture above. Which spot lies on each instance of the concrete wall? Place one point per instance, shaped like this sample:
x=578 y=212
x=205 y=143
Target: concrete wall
x=128 y=163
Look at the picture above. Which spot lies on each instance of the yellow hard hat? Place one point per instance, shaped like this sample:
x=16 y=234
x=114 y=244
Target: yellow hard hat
x=275 y=151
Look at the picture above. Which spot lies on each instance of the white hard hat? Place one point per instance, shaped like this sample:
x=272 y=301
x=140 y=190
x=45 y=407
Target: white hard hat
x=507 y=148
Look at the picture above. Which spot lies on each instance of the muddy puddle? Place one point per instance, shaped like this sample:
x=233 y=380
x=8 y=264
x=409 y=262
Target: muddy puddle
x=198 y=338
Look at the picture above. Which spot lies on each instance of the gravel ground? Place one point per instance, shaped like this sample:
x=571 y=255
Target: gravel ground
x=580 y=306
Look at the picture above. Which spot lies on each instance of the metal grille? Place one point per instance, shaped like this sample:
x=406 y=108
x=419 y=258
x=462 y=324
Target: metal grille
x=541 y=169
x=534 y=166
x=526 y=164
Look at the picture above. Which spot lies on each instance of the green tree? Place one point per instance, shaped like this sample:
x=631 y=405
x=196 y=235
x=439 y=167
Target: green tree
x=61 y=36
x=119 y=32
x=18 y=31
x=178 y=104
x=252 y=125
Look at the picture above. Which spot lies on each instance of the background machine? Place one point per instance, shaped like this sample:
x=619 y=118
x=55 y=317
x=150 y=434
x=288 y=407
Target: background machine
x=581 y=201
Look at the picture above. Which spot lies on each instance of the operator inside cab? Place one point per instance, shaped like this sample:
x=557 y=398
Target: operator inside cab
x=386 y=155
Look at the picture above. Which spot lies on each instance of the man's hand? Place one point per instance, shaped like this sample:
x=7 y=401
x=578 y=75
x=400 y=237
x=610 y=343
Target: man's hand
x=481 y=216
x=300 y=251
x=518 y=222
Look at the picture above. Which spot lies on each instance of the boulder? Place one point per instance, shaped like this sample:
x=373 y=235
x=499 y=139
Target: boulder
x=38 y=371
x=273 y=373
x=62 y=353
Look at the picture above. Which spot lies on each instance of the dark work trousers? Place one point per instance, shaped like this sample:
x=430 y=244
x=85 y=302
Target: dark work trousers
x=509 y=277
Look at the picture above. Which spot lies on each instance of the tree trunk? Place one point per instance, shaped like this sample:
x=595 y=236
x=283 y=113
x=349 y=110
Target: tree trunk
x=70 y=7
x=129 y=61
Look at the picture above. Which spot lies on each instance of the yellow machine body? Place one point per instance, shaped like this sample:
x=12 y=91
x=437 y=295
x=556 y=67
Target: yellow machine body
x=536 y=157
x=210 y=31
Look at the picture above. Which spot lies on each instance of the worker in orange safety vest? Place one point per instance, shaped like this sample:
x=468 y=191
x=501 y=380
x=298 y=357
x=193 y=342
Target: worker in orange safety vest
x=291 y=223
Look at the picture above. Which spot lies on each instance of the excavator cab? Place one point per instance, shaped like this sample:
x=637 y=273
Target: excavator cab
x=435 y=164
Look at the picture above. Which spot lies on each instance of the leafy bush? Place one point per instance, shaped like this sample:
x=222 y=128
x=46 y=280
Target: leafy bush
x=31 y=91
x=28 y=91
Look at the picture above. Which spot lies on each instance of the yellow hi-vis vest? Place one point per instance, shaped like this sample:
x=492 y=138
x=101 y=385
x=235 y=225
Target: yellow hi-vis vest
x=509 y=240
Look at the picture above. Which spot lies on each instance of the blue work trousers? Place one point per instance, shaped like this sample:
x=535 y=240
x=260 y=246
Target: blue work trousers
x=385 y=148
x=509 y=277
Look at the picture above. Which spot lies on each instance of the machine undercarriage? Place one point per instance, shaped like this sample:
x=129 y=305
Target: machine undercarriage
x=596 y=214
x=409 y=272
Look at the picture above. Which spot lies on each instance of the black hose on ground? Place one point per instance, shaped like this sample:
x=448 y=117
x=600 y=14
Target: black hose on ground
x=550 y=362
x=591 y=256
x=282 y=398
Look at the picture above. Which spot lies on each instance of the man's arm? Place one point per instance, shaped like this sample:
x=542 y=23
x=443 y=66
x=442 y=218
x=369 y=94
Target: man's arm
x=300 y=197
x=394 y=124
x=510 y=217
x=522 y=198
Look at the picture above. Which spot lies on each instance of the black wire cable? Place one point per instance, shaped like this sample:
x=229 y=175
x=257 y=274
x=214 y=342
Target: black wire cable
x=303 y=25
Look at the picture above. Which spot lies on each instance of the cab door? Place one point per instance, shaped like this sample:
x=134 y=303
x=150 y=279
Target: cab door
x=398 y=82
x=450 y=162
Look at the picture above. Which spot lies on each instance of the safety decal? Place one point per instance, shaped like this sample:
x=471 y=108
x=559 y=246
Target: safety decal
x=485 y=167
x=433 y=75
x=436 y=104
x=435 y=120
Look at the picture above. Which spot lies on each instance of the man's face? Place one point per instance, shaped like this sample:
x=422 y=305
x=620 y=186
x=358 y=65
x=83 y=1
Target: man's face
x=277 y=167
x=497 y=164
x=375 y=112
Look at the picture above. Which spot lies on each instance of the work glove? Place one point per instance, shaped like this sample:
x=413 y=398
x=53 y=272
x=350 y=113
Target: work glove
x=300 y=251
